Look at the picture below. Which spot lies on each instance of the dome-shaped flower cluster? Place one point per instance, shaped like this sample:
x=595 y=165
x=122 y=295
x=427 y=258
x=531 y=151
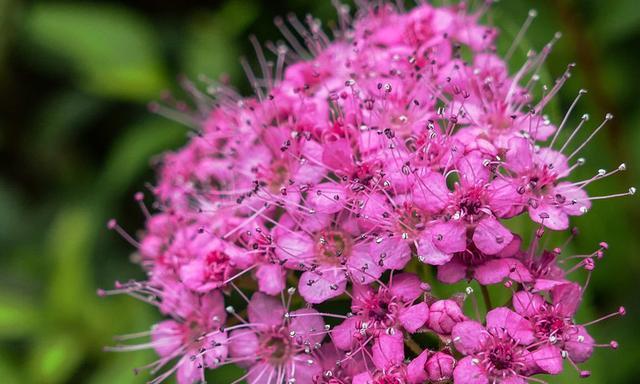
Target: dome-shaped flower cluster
x=295 y=232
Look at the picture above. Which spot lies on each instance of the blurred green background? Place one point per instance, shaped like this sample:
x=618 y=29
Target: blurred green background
x=76 y=141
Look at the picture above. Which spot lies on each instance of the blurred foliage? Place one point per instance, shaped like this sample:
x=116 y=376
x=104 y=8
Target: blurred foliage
x=76 y=139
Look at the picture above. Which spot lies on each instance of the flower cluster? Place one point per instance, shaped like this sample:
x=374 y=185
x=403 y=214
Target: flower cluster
x=401 y=145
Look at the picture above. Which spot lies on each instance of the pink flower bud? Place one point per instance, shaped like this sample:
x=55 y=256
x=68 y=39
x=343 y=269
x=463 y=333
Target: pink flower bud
x=444 y=314
x=439 y=367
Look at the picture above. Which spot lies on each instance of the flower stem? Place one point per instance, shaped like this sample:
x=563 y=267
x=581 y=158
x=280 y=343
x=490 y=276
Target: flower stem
x=413 y=346
x=486 y=297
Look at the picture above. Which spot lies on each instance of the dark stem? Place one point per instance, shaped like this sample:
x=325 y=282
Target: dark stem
x=486 y=297
x=413 y=346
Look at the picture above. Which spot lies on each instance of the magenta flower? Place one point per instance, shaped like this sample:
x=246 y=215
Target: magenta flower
x=473 y=210
x=273 y=345
x=398 y=145
x=498 y=352
x=537 y=175
x=392 y=308
x=330 y=251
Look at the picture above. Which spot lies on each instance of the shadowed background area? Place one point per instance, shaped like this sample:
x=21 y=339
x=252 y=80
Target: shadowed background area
x=76 y=141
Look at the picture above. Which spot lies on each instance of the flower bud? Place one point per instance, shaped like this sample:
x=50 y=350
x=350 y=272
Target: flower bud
x=444 y=314
x=439 y=367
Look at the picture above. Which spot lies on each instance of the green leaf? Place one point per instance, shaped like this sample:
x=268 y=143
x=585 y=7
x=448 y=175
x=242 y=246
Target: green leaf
x=619 y=21
x=114 y=50
x=18 y=316
x=211 y=47
x=131 y=153
x=8 y=370
x=70 y=243
x=55 y=358
x=119 y=368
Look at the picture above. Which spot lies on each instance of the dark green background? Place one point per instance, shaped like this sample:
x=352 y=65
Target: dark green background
x=76 y=141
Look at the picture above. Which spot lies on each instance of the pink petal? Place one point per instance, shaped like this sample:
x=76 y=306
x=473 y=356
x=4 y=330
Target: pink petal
x=430 y=192
x=243 y=343
x=342 y=334
x=260 y=373
x=388 y=350
x=218 y=350
x=316 y=287
x=552 y=217
x=576 y=199
x=468 y=336
x=307 y=369
x=580 y=345
x=452 y=272
x=212 y=306
x=472 y=170
x=512 y=248
x=490 y=236
x=327 y=198
x=362 y=378
x=517 y=326
x=193 y=275
x=414 y=317
x=548 y=358
x=519 y=155
x=519 y=272
x=492 y=272
x=308 y=326
x=440 y=367
x=338 y=155
x=527 y=304
x=444 y=315
x=468 y=372
x=450 y=236
x=391 y=253
x=552 y=159
x=267 y=310
x=167 y=337
x=189 y=371
x=415 y=369
x=271 y=278
x=430 y=254
x=373 y=210
x=406 y=286
x=294 y=249
x=362 y=267
x=505 y=201
x=567 y=298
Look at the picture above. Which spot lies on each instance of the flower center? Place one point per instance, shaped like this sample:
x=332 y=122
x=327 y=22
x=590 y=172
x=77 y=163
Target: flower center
x=501 y=357
x=218 y=265
x=471 y=203
x=410 y=220
x=332 y=246
x=548 y=324
x=502 y=354
x=276 y=346
x=277 y=176
x=379 y=310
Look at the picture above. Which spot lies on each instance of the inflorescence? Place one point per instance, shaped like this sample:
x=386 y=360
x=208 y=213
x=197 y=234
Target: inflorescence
x=294 y=235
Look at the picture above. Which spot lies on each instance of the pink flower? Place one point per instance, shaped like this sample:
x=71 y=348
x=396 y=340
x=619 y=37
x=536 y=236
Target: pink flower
x=537 y=178
x=474 y=208
x=272 y=344
x=486 y=269
x=554 y=326
x=497 y=353
x=391 y=308
x=330 y=251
